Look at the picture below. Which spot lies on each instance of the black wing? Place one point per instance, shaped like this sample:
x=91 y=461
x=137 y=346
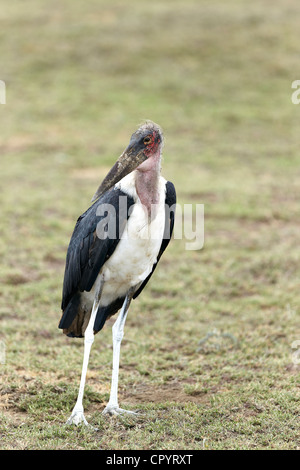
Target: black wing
x=88 y=252
x=170 y=205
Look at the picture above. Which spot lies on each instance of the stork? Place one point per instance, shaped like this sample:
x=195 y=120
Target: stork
x=114 y=250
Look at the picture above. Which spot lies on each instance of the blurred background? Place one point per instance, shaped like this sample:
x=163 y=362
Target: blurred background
x=80 y=77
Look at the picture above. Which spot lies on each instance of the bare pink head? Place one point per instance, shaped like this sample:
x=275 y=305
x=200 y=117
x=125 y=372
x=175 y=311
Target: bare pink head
x=150 y=136
x=142 y=154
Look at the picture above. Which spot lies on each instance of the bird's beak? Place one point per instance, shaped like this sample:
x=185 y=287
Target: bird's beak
x=130 y=159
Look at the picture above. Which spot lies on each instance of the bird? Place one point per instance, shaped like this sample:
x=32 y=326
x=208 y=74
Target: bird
x=114 y=250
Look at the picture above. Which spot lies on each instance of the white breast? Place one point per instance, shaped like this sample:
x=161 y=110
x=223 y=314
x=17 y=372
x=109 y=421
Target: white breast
x=137 y=251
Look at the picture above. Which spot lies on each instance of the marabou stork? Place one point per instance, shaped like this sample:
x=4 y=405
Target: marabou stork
x=114 y=250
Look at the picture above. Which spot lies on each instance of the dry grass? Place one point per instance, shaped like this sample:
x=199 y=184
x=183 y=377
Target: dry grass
x=218 y=79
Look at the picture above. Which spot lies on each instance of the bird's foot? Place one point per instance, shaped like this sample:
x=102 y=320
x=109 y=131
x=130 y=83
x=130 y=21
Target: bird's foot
x=77 y=417
x=116 y=411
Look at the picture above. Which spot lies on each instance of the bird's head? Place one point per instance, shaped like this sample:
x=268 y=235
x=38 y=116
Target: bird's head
x=143 y=152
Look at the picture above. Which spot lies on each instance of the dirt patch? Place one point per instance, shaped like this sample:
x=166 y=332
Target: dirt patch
x=171 y=392
x=21 y=277
x=53 y=261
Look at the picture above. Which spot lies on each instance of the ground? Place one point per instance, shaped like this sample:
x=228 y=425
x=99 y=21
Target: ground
x=208 y=353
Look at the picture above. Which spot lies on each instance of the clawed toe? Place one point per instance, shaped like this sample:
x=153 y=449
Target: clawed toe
x=116 y=411
x=77 y=417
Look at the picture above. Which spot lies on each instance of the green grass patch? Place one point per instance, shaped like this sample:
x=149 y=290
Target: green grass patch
x=207 y=355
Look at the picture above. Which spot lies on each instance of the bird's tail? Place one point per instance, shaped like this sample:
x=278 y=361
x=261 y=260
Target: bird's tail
x=75 y=318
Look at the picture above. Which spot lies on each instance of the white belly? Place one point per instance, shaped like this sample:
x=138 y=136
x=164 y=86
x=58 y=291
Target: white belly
x=134 y=256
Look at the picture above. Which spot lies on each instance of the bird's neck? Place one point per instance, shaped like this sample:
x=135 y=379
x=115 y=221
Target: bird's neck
x=147 y=184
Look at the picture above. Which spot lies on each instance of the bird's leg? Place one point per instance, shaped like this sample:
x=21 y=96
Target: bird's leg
x=77 y=415
x=112 y=407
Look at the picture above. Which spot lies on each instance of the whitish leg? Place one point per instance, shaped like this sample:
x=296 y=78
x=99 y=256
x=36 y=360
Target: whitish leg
x=112 y=407
x=77 y=415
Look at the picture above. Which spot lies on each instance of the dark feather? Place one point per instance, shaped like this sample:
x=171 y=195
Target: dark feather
x=87 y=252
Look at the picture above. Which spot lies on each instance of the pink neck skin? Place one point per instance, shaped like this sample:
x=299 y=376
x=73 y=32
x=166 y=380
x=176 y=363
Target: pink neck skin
x=146 y=180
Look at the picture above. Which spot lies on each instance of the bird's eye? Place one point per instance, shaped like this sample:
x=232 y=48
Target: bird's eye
x=147 y=140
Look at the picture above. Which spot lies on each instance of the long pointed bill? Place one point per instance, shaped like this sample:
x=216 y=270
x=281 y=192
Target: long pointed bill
x=126 y=163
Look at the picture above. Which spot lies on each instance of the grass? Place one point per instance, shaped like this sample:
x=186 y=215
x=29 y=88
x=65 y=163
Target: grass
x=217 y=78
